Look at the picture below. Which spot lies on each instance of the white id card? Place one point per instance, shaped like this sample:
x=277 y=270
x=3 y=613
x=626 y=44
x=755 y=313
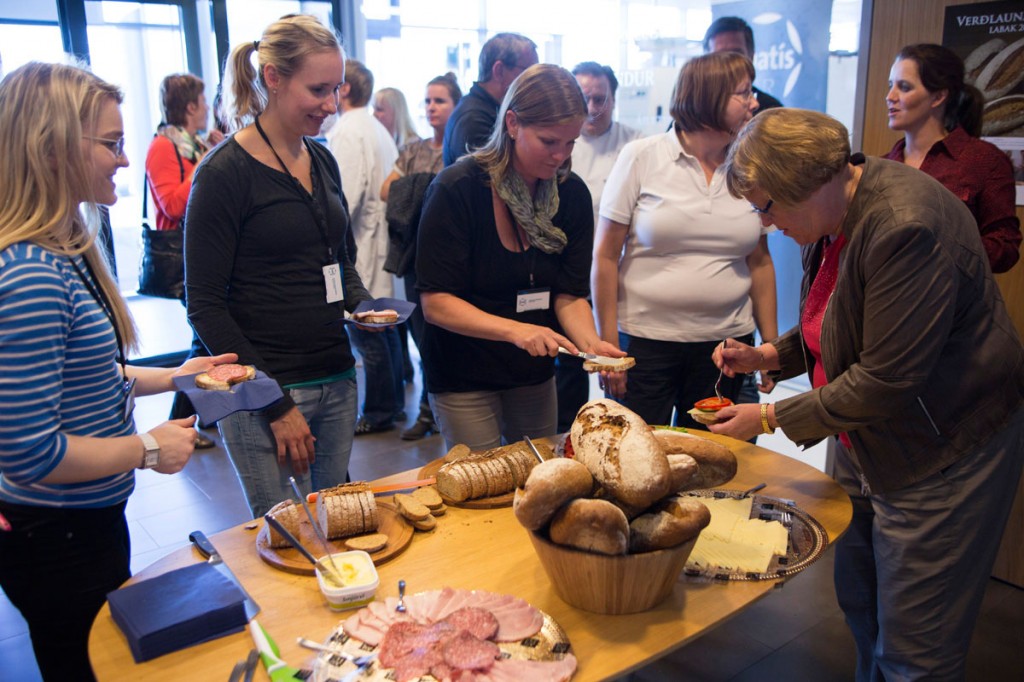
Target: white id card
x=332 y=282
x=533 y=299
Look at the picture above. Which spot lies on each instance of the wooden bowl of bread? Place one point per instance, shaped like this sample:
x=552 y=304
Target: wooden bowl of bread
x=609 y=526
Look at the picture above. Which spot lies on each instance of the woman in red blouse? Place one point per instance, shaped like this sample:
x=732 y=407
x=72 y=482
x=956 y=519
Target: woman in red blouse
x=940 y=118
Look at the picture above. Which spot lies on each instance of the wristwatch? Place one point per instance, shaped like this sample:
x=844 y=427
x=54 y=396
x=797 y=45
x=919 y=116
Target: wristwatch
x=151 y=457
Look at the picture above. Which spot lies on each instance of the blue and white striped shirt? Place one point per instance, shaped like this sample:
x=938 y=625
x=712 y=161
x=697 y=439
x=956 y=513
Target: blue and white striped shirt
x=58 y=376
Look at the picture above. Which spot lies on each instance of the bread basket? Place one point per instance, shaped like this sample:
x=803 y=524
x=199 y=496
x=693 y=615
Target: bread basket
x=611 y=585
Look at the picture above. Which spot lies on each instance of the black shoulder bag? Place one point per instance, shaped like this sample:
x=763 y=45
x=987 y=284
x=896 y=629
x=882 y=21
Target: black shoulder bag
x=162 y=266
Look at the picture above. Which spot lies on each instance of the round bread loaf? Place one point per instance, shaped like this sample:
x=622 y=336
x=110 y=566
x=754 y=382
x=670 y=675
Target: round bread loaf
x=620 y=451
x=591 y=525
x=550 y=485
x=716 y=464
x=675 y=521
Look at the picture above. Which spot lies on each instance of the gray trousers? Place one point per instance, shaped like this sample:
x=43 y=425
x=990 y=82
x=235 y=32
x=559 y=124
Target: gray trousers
x=911 y=570
x=481 y=419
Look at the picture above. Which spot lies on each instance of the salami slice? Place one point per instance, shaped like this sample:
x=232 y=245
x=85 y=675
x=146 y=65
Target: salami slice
x=477 y=622
x=466 y=652
x=230 y=373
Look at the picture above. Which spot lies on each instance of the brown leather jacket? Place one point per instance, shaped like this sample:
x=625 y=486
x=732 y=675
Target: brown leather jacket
x=922 y=359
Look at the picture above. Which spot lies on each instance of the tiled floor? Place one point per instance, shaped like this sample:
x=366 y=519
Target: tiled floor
x=795 y=633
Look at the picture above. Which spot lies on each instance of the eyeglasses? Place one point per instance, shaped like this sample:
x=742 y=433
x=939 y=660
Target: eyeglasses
x=746 y=95
x=763 y=211
x=116 y=147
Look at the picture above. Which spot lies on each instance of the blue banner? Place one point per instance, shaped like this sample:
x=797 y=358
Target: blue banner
x=790 y=47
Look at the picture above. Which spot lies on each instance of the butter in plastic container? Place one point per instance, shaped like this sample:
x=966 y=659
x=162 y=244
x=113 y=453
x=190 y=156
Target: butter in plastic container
x=358 y=575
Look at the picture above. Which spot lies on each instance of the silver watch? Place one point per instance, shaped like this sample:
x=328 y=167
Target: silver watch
x=151 y=457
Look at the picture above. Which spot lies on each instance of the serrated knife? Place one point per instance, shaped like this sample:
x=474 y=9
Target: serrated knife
x=207 y=549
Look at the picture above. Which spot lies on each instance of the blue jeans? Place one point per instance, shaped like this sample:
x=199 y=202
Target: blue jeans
x=673 y=374
x=330 y=411
x=384 y=395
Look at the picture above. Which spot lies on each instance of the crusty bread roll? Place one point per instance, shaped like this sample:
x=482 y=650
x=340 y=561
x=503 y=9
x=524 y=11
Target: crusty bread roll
x=489 y=473
x=591 y=525
x=670 y=524
x=223 y=377
x=550 y=485
x=621 y=453
x=287 y=514
x=621 y=365
x=684 y=469
x=348 y=509
x=716 y=464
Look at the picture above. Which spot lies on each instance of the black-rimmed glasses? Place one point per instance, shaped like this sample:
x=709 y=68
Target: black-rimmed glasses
x=762 y=211
x=116 y=147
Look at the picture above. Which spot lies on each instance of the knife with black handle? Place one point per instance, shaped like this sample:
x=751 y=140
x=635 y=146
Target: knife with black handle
x=206 y=548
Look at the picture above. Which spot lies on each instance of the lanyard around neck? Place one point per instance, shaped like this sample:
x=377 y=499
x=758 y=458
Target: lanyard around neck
x=104 y=304
x=311 y=202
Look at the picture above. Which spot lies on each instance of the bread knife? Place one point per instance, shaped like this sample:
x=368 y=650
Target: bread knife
x=207 y=549
x=316 y=527
x=599 y=359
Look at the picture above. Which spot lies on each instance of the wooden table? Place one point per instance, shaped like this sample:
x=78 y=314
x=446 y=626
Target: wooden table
x=476 y=549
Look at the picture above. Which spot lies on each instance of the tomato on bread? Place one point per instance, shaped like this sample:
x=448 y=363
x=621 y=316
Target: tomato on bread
x=706 y=411
x=223 y=377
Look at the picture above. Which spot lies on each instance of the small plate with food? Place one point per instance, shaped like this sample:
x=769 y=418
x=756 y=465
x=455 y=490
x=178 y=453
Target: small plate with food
x=381 y=312
x=226 y=389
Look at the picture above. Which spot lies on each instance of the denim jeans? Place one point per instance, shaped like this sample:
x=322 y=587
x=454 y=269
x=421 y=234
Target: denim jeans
x=330 y=411
x=84 y=552
x=482 y=419
x=384 y=395
x=672 y=374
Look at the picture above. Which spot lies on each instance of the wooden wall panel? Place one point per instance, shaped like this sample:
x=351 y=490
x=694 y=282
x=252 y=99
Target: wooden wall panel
x=895 y=23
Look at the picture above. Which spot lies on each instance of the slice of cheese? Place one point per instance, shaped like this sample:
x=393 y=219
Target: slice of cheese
x=734 y=541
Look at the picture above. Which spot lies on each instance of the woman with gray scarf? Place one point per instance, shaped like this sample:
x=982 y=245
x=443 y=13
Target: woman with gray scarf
x=503 y=263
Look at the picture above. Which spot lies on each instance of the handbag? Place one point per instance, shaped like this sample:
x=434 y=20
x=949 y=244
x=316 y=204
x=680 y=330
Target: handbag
x=162 y=264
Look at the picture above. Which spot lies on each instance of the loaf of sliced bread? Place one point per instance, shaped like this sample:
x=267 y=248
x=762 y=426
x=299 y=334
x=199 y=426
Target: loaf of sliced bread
x=348 y=509
x=489 y=473
x=287 y=514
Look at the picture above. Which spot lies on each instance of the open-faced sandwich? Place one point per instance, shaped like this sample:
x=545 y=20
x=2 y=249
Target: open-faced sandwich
x=706 y=411
x=376 y=316
x=223 y=377
x=620 y=365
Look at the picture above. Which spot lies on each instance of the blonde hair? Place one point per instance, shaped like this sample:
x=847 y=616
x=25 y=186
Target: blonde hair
x=45 y=110
x=543 y=95
x=787 y=153
x=704 y=87
x=285 y=43
x=405 y=130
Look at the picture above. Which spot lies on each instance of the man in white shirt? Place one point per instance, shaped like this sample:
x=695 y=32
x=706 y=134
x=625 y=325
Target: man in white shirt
x=599 y=144
x=592 y=159
x=366 y=153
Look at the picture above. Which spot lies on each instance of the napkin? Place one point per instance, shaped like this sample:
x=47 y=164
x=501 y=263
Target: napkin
x=212 y=406
x=403 y=308
x=175 y=610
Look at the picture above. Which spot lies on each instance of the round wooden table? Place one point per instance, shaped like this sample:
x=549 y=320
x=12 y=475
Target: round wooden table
x=475 y=549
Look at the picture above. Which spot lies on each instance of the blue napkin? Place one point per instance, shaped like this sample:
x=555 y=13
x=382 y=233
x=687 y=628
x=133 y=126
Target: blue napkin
x=176 y=610
x=214 y=405
x=403 y=308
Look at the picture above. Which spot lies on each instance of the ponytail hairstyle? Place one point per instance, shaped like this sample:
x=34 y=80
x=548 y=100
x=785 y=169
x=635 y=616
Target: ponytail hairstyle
x=46 y=177
x=285 y=43
x=941 y=69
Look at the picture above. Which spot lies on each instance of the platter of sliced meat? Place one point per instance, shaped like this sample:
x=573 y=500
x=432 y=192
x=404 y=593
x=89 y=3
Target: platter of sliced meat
x=450 y=634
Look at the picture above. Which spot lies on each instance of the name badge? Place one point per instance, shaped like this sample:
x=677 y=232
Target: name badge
x=129 y=398
x=533 y=299
x=332 y=282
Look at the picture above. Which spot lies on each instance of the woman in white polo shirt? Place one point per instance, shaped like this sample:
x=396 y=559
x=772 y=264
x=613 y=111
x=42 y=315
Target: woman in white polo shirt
x=679 y=264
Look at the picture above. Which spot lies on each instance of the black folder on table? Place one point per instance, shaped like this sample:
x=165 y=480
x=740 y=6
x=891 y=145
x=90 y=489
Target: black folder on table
x=176 y=610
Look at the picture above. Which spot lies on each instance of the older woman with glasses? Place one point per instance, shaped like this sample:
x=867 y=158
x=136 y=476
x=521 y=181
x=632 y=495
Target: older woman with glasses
x=679 y=264
x=915 y=364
